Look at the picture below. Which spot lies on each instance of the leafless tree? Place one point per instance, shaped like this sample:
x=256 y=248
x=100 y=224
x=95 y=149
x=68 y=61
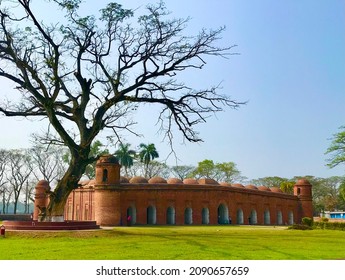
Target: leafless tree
x=47 y=163
x=182 y=171
x=91 y=73
x=20 y=169
x=3 y=180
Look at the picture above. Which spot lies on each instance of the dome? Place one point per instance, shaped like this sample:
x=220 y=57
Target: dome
x=302 y=182
x=237 y=185
x=251 y=187
x=42 y=184
x=157 y=180
x=225 y=184
x=207 y=181
x=264 y=188
x=138 y=180
x=107 y=159
x=174 y=181
x=124 y=180
x=190 y=181
x=276 y=190
x=84 y=182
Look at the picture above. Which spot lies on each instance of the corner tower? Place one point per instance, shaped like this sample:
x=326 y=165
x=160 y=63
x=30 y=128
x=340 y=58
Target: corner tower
x=107 y=192
x=303 y=190
x=41 y=199
x=107 y=170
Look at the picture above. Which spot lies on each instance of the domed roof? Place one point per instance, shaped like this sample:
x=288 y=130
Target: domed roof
x=251 y=187
x=303 y=182
x=138 y=180
x=207 y=181
x=124 y=180
x=174 y=181
x=225 y=184
x=42 y=184
x=107 y=159
x=276 y=190
x=237 y=185
x=157 y=180
x=264 y=188
x=84 y=182
x=190 y=181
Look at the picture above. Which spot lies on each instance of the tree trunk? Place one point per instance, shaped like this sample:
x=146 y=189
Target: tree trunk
x=69 y=182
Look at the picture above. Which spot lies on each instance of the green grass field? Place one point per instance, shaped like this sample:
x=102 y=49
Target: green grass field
x=176 y=243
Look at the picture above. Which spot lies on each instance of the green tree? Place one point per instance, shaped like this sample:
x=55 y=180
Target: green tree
x=87 y=73
x=287 y=186
x=205 y=168
x=342 y=194
x=147 y=153
x=125 y=156
x=225 y=171
x=337 y=149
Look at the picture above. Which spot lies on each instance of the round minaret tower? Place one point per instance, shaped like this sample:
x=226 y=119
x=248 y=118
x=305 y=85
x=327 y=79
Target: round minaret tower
x=107 y=194
x=303 y=190
x=107 y=171
x=41 y=199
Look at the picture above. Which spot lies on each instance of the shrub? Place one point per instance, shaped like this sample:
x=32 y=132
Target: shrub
x=329 y=225
x=300 y=227
x=307 y=221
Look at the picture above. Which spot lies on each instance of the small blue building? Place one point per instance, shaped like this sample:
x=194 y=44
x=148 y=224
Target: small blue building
x=334 y=214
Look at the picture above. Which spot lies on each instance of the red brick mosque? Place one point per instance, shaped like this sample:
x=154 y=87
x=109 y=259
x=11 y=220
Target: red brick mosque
x=112 y=200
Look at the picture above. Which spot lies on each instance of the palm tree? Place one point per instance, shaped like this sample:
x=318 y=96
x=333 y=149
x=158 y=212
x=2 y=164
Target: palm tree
x=125 y=156
x=147 y=154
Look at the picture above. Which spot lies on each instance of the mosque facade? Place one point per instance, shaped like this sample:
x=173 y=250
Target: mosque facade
x=112 y=200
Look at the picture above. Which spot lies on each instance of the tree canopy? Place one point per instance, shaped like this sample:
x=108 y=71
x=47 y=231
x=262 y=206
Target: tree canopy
x=337 y=149
x=89 y=73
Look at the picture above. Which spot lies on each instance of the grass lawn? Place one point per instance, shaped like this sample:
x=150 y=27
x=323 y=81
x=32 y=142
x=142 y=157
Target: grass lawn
x=175 y=243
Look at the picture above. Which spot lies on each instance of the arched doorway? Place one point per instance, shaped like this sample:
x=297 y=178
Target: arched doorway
x=171 y=215
x=188 y=216
x=290 y=218
x=239 y=217
x=151 y=215
x=223 y=214
x=279 y=217
x=205 y=214
x=253 y=218
x=131 y=215
x=267 y=217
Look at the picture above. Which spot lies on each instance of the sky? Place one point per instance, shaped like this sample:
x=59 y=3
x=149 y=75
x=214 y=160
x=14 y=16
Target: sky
x=290 y=68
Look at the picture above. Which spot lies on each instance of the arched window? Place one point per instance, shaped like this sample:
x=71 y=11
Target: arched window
x=105 y=175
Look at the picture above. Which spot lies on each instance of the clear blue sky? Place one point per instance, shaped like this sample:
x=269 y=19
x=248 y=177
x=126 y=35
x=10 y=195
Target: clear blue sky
x=291 y=69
